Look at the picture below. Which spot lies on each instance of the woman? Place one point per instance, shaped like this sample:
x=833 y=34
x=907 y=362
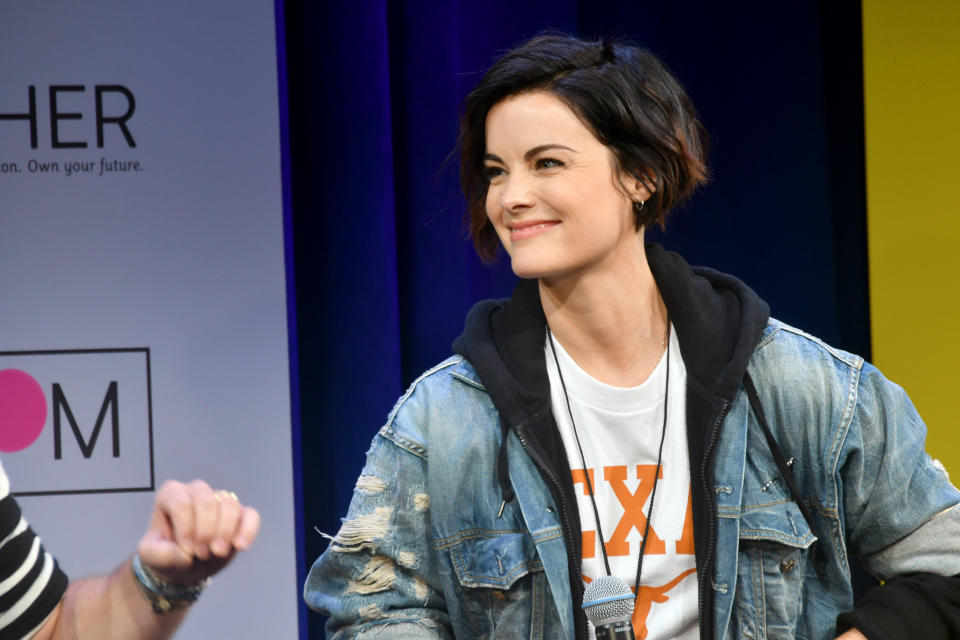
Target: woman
x=626 y=414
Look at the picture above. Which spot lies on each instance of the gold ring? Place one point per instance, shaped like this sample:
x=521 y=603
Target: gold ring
x=223 y=493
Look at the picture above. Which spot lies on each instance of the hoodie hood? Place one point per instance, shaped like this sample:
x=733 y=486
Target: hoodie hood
x=718 y=320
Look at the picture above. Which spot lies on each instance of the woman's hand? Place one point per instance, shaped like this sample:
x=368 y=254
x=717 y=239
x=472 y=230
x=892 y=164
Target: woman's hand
x=851 y=634
x=195 y=531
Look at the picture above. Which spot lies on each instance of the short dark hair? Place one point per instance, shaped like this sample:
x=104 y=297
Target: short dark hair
x=622 y=93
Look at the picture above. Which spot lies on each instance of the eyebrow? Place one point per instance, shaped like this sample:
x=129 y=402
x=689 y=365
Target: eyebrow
x=530 y=153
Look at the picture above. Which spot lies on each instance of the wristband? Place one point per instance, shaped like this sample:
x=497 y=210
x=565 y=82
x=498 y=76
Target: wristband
x=164 y=596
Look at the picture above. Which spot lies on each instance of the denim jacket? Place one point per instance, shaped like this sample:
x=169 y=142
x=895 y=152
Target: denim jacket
x=433 y=547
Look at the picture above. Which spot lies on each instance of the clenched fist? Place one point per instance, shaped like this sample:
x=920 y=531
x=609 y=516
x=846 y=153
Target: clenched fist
x=195 y=531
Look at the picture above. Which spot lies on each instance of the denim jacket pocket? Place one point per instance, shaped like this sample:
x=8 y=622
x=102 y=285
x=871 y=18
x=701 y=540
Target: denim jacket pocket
x=772 y=562
x=501 y=582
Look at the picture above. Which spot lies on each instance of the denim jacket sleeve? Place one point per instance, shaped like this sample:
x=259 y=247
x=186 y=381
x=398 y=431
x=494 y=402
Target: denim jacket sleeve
x=899 y=505
x=902 y=517
x=377 y=578
x=428 y=548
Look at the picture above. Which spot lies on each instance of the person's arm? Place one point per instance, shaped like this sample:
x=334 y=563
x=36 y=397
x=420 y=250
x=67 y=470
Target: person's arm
x=903 y=519
x=378 y=576
x=922 y=605
x=193 y=533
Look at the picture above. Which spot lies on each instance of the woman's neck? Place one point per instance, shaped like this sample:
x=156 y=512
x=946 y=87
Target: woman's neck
x=612 y=322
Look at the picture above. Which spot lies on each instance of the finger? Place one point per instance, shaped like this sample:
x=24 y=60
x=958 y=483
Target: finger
x=248 y=529
x=228 y=523
x=174 y=517
x=205 y=509
x=163 y=554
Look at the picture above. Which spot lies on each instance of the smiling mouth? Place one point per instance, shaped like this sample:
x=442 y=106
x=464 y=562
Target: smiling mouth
x=530 y=230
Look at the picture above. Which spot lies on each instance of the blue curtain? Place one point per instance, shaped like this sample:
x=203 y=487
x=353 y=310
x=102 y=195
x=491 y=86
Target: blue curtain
x=384 y=273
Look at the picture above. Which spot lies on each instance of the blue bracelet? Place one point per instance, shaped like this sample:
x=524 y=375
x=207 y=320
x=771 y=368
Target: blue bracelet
x=164 y=596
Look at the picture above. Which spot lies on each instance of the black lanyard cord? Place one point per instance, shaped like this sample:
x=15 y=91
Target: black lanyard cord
x=586 y=470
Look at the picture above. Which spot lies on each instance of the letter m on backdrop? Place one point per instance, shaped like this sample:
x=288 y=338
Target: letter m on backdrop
x=62 y=408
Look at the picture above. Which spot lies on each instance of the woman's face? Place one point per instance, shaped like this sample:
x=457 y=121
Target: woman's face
x=554 y=196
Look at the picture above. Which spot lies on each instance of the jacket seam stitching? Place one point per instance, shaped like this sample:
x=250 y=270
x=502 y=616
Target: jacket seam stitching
x=736 y=512
x=762 y=505
x=388 y=433
x=449 y=362
x=470 y=534
x=846 y=421
x=527 y=567
x=467 y=380
x=769 y=337
x=771 y=534
x=848 y=359
x=551 y=534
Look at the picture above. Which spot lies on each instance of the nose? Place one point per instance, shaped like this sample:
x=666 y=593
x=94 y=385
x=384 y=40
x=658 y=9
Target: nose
x=517 y=192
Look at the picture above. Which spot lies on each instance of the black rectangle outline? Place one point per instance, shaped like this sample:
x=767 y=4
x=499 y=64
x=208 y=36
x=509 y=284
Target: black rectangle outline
x=146 y=352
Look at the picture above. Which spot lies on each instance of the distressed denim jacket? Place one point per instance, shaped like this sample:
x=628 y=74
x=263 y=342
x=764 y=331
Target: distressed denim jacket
x=425 y=552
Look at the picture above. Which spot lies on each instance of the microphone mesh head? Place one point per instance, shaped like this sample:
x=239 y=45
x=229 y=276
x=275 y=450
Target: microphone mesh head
x=607 y=598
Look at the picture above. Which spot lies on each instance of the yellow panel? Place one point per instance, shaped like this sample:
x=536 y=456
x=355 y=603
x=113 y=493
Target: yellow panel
x=911 y=54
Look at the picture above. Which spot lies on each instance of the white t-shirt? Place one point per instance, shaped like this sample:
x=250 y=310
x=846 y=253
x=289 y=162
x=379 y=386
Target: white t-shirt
x=620 y=431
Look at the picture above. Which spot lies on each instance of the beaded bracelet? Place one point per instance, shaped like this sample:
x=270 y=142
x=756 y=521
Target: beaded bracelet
x=162 y=595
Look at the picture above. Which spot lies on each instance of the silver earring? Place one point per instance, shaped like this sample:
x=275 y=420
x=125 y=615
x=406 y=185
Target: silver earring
x=638 y=206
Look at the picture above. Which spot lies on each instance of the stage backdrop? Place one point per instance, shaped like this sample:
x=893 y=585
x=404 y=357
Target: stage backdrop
x=384 y=273
x=143 y=331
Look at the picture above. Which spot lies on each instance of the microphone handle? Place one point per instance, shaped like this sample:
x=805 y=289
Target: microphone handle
x=615 y=630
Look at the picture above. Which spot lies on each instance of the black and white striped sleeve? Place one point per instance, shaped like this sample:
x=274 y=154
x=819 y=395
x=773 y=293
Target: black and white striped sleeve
x=31 y=582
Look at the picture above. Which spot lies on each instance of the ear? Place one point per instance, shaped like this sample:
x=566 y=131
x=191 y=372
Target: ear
x=640 y=190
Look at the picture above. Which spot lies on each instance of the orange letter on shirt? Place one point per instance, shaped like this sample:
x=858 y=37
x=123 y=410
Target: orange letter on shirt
x=588 y=542
x=632 y=503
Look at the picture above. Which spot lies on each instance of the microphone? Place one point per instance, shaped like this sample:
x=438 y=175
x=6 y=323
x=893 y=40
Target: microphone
x=608 y=603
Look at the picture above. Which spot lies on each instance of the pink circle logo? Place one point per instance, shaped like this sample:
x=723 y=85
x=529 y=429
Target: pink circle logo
x=23 y=410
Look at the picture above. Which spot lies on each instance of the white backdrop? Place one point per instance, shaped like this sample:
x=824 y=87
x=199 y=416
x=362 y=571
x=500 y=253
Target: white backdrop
x=179 y=259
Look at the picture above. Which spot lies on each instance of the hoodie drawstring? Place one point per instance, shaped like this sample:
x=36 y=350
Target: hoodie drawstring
x=503 y=473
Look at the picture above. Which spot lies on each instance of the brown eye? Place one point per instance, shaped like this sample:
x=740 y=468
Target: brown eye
x=492 y=172
x=548 y=163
